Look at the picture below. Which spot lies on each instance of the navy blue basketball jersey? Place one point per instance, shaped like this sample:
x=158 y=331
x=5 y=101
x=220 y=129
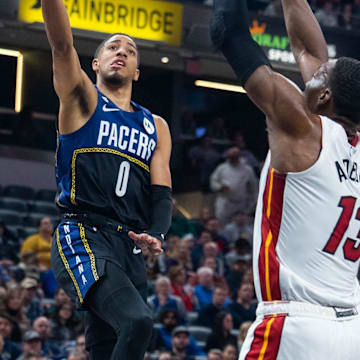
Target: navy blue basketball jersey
x=104 y=167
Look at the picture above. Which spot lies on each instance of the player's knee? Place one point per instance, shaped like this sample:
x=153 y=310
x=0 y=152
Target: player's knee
x=142 y=324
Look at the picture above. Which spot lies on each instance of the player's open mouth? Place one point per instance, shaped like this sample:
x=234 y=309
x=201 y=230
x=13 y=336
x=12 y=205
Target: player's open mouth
x=118 y=64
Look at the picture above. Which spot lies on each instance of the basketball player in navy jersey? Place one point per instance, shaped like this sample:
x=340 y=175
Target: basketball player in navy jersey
x=114 y=189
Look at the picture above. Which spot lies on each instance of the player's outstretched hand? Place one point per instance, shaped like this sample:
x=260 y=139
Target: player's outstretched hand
x=146 y=242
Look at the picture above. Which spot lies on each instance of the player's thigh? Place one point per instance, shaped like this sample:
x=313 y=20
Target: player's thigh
x=115 y=300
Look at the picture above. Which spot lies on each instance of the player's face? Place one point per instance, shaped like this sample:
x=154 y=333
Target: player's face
x=316 y=90
x=117 y=62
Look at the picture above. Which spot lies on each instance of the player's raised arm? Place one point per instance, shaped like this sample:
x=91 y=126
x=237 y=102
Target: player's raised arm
x=306 y=38
x=283 y=104
x=70 y=81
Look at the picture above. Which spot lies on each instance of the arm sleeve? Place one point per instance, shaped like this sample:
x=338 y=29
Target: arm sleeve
x=161 y=211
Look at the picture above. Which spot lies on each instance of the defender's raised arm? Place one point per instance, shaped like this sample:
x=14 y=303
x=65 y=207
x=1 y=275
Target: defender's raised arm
x=306 y=38
x=282 y=103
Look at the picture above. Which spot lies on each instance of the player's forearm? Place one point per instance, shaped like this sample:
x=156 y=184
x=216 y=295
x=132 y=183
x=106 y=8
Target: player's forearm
x=57 y=25
x=304 y=30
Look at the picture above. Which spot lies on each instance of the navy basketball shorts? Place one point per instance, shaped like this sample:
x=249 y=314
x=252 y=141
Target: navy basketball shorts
x=79 y=254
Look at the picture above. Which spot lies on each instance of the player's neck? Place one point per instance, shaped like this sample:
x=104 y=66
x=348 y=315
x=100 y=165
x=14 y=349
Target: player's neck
x=120 y=96
x=349 y=126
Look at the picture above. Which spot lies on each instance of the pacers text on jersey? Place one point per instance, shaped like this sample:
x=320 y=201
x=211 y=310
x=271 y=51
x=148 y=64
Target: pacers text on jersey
x=126 y=139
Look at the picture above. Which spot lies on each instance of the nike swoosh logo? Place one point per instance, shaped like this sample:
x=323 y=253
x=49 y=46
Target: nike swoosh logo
x=136 y=251
x=106 y=109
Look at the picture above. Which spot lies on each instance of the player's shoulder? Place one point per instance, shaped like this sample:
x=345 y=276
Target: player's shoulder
x=161 y=125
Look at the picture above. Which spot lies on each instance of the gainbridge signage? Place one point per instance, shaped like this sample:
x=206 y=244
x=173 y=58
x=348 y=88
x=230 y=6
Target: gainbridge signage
x=276 y=43
x=145 y=19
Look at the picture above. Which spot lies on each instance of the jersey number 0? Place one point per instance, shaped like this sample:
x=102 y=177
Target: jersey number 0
x=123 y=178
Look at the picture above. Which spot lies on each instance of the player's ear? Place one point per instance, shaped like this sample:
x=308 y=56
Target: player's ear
x=324 y=97
x=95 y=65
x=136 y=75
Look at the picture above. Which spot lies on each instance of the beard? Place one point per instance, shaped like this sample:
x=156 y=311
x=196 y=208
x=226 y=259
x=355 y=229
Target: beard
x=115 y=80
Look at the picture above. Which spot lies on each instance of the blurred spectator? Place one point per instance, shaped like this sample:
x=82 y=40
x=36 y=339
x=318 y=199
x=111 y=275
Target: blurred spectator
x=244 y=309
x=230 y=352
x=237 y=272
x=199 y=224
x=346 y=17
x=42 y=327
x=9 y=349
x=177 y=275
x=64 y=324
x=236 y=185
x=211 y=252
x=80 y=348
x=244 y=328
x=31 y=345
x=215 y=354
x=213 y=226
x=326 y=15
x=8 y=246
x=241 y=249
x=76 y=355
x=208 y=313
x=180 y=344
x=31 y=304
x=239 y=227
x=180 y=256
x=221 y=332
x=245 y=153
x=198 y=251
x=40 y=243
x=180 y=225
x=14 y=308
x=204 y=159
x=217 y=129
x=164 y=300
x=162 y=337
x=60 y=298
x=204 y=291
x=165 y=356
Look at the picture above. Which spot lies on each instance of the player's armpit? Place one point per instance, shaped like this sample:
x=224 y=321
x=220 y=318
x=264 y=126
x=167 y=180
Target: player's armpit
x=281 y=101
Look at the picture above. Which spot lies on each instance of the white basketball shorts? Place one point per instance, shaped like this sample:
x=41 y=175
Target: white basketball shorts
x=300 y=331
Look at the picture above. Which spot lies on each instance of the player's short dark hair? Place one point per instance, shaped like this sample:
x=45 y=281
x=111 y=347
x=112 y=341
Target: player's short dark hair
x=345 y=87
x=102 y=44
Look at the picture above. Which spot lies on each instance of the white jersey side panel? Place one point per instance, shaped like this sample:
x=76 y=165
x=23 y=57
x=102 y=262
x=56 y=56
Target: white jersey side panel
x=307 y=227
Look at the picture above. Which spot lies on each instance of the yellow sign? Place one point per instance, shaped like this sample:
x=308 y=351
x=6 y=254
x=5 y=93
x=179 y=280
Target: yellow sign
x=145 y=19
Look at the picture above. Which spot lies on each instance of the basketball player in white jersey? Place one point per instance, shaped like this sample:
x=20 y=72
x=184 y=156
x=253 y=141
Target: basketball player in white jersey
x=307 y=228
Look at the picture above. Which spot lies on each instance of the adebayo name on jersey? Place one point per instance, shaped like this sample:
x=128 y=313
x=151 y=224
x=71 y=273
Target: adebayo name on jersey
x=126 y=139
x=348 y=170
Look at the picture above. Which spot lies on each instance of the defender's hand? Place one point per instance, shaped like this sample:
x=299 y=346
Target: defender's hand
x=145 y=241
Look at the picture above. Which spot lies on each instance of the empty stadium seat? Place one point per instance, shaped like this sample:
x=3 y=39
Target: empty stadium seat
x=42 y=207
x=20 y=192
x=8 y=203
x=14 y=230
x=10 y=217
x=200 y=333
x=33 y=220
x=45 y=195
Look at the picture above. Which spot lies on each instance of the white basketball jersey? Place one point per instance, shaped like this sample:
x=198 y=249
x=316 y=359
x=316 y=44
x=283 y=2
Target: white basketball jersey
x=307 y=227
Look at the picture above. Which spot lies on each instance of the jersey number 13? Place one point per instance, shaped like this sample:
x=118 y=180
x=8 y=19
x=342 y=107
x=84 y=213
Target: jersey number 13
x=351 y=247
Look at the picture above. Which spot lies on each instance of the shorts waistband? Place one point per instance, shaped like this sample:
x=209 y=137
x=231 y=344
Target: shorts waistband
x=99 y=221
x=293 y=308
